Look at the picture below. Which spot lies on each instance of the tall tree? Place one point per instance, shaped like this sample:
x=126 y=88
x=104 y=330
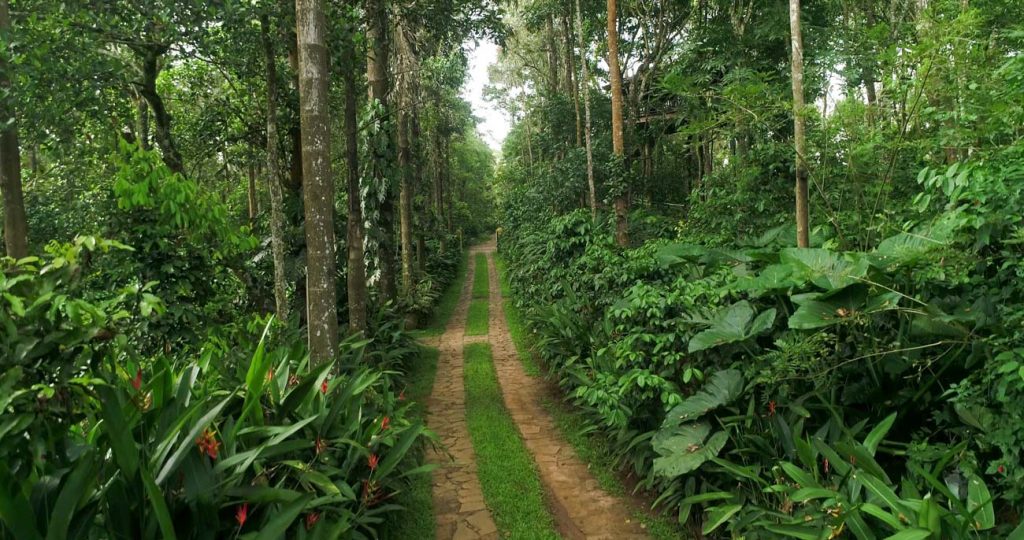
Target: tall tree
x=797 y=69
x=15 y=224
x=383 y=147
x=318 y=185
x=618 y=140
x=277 y=242
x=407 y=70
x=356 y=271
x=585 y=86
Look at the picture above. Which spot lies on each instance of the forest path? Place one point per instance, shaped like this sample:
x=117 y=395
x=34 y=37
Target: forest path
x=458 y=499
x=580 y=507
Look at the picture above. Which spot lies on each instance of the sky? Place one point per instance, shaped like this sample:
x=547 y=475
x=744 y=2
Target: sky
x=494 y=124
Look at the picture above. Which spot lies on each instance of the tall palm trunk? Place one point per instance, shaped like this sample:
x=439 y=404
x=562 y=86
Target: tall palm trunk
x=318 y=185
x=356 y=274
x=585 y=88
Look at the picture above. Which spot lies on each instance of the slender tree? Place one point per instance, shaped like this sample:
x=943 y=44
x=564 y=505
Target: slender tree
x=379 y=86
x=404 y=83
x=15 y=224
x=585 y=86
x=797 y=69
x=356 y=274
x=618 y=141
x=277 y=241
x=318 y=185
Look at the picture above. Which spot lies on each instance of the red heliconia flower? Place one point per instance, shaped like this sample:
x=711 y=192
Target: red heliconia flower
x=385 y=423
x=771 y=408
x=826 y=464
x=293 y=380
x=323 y=387
x=241 y=514
x=311 y=519
x=270 y=374
x=137 y=381
x=320 y=445
x=1001 y=470
x=208 y=443
x=373 y=461
x=401 y=396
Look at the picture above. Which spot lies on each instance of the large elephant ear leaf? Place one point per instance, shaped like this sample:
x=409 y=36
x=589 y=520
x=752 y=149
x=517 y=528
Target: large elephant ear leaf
x=732 y=324
x=685 y=449
x=723 y=387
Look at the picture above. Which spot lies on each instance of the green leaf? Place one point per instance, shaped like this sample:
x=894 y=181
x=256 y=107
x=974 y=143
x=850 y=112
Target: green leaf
x=732 y=324
x=76 y=489
x=882 y=491
x=824 y=268
x=188 y=442
x=686 y=449
x=979 y=503
x=707 y=497
x=810 y=493
x=278 y=526
x=910 y=534
x=156 y=499
x=722 y=388
x=126 y=452
x=799 y=475
x=878 y=512
x=719 y=515
x=803 y=532
x=15 y=510
x=878 y=433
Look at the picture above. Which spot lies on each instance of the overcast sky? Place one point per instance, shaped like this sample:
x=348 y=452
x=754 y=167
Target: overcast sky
x=494 y=124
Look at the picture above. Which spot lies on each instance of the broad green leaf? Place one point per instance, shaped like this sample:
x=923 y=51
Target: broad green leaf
x=979 y=503
x=76 y=488
x=686 y=450
x=810 y=493
x=803 y=532
x=826 y=269
x=721 y=388
x=731 y=324
x=188 y=443
x=719 y=515
x=15 y=509
x=708 y=497
x=882 y=491
x=126 y=452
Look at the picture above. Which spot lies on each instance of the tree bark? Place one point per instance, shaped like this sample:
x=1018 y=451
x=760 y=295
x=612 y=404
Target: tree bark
x=797 y=69
x=552 y=54
x=142 y=122
x=618 y=141
x=15 y=223
x=572 y=85
x=277 y=241
x=585 y=89
x=356 y=280
x=318 y=185
x=377 y=77
x=251 y=191
x=164 y=137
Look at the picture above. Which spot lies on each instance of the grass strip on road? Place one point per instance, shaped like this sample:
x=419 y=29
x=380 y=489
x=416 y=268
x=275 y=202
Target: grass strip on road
x=448 y=302
x=507 y=473
x=481 y=278
x=477 y=320
x=516 y=323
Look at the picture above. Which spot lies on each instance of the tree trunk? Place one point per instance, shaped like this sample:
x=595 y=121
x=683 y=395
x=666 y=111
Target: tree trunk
x=318 y=185
x=585 y=88
x=142 y=122
x=377 y=77
x=572 y=85
x=164 y=138
x=405 y=199
x=15 y=223
x=252 y=194
x=797 y=68
x=357 y=291
x=277 y=242
x=618 y=141
x=552 y=54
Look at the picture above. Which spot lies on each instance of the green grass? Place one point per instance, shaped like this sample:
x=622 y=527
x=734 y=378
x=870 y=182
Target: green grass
x=448 y=302
x=477 y=323
x=509 y=479
x=481 y=279
x=516 y=323
x=417 y=521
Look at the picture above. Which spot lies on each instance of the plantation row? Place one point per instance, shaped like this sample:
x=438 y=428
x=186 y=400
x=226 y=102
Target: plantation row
x=803 y=392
